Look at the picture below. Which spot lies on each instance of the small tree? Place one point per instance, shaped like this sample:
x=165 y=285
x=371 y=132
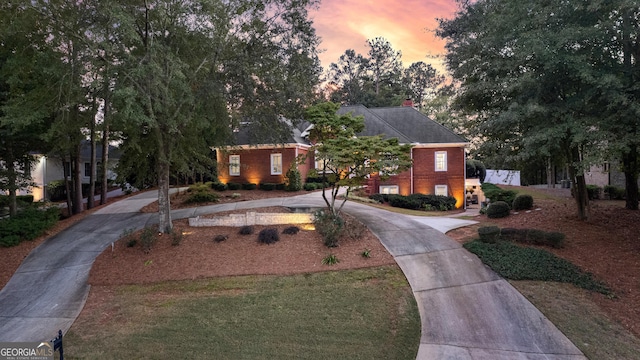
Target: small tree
x=349 y=159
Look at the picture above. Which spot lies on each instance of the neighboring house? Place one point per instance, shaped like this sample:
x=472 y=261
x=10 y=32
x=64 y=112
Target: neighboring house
x=438 y=154
x=48 y=169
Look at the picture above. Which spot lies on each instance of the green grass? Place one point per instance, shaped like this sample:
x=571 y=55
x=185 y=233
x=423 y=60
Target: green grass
x=359 y=314
x=516 y=262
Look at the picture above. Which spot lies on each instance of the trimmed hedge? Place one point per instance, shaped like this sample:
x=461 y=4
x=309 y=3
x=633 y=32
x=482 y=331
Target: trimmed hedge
x=533 y=236
x=267 y=186
x=218 y=186
x=614 y=192
x=249 y=186
x=593 y=191
x=418 y=201
x=522 y=202
x=489 y=234
x=234 y=186
x=498 y=209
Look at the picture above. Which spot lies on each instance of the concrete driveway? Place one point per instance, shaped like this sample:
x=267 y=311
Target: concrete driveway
x=467 y=311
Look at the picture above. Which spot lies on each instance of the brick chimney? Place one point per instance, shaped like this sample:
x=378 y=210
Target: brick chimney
x=407 y=102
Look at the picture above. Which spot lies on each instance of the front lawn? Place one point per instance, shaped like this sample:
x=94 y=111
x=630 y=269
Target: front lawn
x=359 y=314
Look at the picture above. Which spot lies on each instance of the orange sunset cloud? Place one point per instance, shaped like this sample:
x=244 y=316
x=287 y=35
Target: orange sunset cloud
x=408 y=25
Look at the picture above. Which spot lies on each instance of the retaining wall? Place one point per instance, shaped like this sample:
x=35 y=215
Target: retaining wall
x=252 y=218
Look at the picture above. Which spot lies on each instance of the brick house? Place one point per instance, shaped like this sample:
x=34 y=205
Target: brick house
x=256 y=159
x=438 y=154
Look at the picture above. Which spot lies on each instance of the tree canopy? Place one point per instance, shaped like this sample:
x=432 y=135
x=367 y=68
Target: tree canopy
x=349 y=160
x=378 y=78
x=532 y=76
x=171 y=78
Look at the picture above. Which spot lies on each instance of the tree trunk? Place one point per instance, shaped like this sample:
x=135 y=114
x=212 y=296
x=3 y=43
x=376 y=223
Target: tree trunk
x=104 y=160
x=12 y=179
x=164 y=206
x=92 y=164
x=78 y=207
x=67 y=188
x=579 y=190
x=631 y=168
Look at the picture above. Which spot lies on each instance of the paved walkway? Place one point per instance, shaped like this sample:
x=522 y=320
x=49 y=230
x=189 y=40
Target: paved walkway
x=467 y=311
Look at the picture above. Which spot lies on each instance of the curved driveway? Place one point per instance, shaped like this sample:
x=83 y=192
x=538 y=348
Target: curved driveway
x=467 y=311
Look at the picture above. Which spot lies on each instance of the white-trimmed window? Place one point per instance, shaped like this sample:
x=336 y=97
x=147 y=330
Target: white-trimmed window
x=389 y=189
x=442 y=190
x=276 y=164
x=441 y=161
x=234 y=165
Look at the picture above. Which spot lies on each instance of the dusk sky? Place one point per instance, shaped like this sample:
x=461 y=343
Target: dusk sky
x=408 y=25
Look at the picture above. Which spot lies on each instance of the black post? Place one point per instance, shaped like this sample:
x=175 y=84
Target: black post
x=57 y=344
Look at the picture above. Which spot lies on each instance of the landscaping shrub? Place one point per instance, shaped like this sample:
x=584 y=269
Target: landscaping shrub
x=495 y=193
x=377 y=197
x=201 y=197
x=555 y=239
x=593 y=191
x=294 y=180
x=268 y=236
x=198 y=187
x=291 y=230
x=234 y=186
x=148 y=239
x=522 y=202
x=220 y=238
x=267 y=186
x=28 y=199
x=249 y=186
x=405 y=202
x=218 y=186
x=310 y=186
x=56 y=190
x=498 y=209
x=353 y=229
x=418 y=201
x=329 y=226
x=28 y=224
x=533 y=236
x=246 y=230
x=280 y=186
x=614 y=192
x=176 y=237
x=515 y=235
x=489 y=234
x=521 y=263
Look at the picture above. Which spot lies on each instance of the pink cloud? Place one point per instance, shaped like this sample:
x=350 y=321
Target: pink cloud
x=408 y=25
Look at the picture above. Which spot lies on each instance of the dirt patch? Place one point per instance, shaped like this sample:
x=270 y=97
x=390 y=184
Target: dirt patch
x=199 y=255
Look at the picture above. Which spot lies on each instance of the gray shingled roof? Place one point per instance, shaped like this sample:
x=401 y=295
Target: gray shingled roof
x=405 y=123
x=254 y=134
